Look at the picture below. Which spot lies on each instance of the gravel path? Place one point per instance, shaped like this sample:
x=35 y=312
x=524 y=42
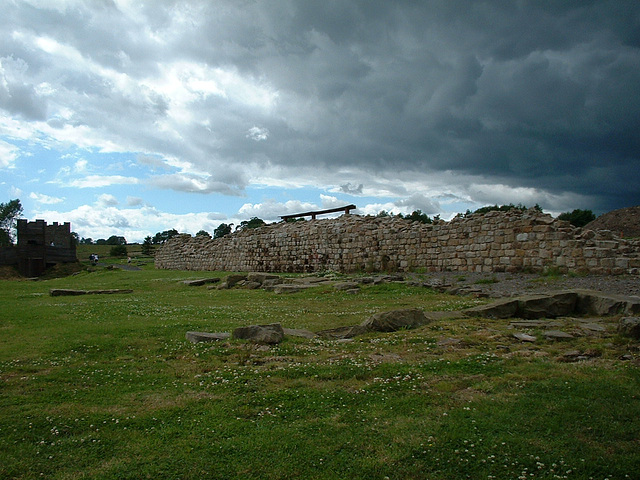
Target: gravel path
x=512 y=284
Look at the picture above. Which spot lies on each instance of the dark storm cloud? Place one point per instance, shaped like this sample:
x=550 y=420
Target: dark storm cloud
x=542 y=95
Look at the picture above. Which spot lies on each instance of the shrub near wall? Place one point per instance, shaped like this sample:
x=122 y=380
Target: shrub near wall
x=494 y=242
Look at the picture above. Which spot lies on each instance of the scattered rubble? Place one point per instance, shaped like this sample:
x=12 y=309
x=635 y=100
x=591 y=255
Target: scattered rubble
x=58 y=292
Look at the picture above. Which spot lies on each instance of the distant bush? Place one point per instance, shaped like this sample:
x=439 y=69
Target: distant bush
x=118 y=251
x=578 y=218
x=503 y=208
x=418 y=216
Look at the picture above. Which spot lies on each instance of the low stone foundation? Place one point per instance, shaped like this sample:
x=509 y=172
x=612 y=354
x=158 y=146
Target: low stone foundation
x=494 y=242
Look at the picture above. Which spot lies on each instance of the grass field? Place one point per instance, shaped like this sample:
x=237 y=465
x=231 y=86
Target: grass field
x=107 y=387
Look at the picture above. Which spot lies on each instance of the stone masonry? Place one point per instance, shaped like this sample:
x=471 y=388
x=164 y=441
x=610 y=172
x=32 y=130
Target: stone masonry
x=511 y=241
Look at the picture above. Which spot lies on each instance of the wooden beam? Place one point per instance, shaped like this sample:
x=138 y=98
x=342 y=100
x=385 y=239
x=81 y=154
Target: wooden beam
x=346 y=209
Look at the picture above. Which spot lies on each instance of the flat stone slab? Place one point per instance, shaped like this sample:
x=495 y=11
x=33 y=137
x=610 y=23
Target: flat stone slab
x=557 y=334
x=198 y=337
x=293 y=332
x=59 y=292
x=289 y=288
x=523 y=337
x=581 y=302
x=266 y=334
x=630 y=327
x=200 y=281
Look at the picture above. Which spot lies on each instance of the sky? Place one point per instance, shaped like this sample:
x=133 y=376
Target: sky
x=130 y=118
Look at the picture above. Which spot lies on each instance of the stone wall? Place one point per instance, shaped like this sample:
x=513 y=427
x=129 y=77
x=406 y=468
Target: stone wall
x=495 y=242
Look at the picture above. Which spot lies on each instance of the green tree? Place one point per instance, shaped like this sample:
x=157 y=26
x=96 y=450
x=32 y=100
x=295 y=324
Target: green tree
x=418 y=216
x=578 y=218
x=164 y=236
x=222 y=230
x=147 y=246
x=9 y=213
x=203 y=233
x=115 y=240
x=255 y=222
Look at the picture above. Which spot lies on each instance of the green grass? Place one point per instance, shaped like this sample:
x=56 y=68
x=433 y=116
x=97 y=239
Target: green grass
x=107 y=387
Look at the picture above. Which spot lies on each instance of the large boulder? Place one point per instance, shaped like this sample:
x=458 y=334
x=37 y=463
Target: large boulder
x=390 y=321
x=341 y=333
x=602 y=304
x=198 y=337
x=234 y=279
x=572 y=302
x=268 y=334
x=630 y=327
x=547 y=306
x=260 y=277
x=395 y=320
x=506 y=308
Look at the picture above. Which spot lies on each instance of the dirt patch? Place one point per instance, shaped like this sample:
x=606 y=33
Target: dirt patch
x=624 y=222
x=8 y=272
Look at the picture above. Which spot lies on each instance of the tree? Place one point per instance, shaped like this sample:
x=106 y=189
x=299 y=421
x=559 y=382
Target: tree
x=418 y=216
x=578 y=218
x=147 y=245
x=203 y=233
x=255 y=222
x=9 y=213
x=115 y=240
x=222 y=230
x=164 y=236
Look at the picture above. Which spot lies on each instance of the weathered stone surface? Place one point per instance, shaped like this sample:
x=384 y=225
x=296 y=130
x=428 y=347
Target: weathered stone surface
x=200 y=281
x=234 y=279
x=395 y=320
x=505 y=308
x=630 y=327
x=581 y=302
x=342 y=286
x=288 y=288
x=260 y=277
x=197 y=337
x=523 y=337
x=294 y=332
x=600 y=304
x=267 y=334
x=557 y=334
x=57 y=292
x=547 y=306
x=341 y=333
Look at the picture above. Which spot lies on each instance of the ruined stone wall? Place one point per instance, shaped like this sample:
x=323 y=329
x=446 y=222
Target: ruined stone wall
x=494 y=242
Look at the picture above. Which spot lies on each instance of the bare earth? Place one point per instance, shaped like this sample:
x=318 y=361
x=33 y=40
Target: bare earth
x=513 y=284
